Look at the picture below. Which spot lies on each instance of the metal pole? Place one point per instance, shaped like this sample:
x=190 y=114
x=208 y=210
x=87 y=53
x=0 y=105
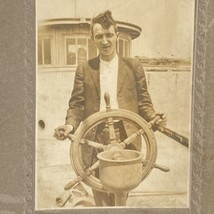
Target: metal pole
x=120 y=199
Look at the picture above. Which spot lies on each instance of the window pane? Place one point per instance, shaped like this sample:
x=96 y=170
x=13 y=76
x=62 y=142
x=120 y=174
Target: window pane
x=82 y=50
x=126 y=48
x=121 y=47
x=71 y=51
x=40 y=52
x=47 y=51
x=92 y=50
x=82 y=55
x=81 y=41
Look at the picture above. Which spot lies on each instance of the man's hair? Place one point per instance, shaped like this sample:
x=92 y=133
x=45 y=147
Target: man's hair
x=105 y=19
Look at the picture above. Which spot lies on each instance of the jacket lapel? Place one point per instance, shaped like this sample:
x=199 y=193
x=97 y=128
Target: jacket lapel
x=122 y=73
x=94 y=67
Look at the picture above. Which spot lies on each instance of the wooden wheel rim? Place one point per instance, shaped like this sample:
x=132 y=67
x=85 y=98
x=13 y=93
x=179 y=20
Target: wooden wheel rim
x=95 y=119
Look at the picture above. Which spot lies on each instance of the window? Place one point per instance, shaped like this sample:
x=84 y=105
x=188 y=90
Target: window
x=76 y=50
x=124 y=48
x=44 y=51
x=79 y=50
x=71 y=51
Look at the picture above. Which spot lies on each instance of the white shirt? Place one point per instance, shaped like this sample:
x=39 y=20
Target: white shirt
x=108 y=82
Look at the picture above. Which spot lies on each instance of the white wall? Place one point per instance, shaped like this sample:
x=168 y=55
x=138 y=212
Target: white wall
x=170 y=92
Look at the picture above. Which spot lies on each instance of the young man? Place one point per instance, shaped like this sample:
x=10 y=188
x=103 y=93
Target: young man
x=122 y=78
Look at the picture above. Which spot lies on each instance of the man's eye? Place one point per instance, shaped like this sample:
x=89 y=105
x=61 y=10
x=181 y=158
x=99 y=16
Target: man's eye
x=109 y=35
x=98 y=36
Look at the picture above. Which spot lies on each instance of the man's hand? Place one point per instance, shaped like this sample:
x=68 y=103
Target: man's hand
x=162 y=121
x=158 y=121
x=62 y=132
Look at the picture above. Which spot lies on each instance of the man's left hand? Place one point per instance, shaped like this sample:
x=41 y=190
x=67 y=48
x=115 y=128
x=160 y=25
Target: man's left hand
x=162 y=121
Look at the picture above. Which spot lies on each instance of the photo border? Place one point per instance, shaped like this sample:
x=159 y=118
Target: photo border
x=17 y=193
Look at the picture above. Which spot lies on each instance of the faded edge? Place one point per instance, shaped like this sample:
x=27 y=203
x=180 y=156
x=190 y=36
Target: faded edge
x=201 y=192
x=29 y=105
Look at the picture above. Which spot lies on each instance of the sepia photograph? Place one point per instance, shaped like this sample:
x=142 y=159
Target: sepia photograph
x=113 y=103
x=107 y=106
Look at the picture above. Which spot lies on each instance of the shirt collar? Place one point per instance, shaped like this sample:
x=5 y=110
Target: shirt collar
x=112 y=62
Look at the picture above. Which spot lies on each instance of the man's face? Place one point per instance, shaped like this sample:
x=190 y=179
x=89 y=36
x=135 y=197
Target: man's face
x=105 y=40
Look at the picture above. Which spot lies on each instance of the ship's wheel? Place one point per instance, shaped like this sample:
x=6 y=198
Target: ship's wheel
x=143 y=129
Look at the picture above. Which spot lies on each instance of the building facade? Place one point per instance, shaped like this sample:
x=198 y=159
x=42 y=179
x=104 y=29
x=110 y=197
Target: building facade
x=65 y=43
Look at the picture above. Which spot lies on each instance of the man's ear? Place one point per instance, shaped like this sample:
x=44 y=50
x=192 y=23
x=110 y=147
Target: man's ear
x=92 y=38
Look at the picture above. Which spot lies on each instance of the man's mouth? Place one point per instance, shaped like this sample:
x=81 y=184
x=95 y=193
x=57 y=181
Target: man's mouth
x=105 y=47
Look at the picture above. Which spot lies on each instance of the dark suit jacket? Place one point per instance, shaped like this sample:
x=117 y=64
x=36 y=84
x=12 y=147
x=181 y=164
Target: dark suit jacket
x=132 y=91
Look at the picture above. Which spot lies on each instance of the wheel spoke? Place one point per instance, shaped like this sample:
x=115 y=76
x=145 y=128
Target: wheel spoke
x=132 y=137
x=157 y=166
x=71 y=184
x=112 y=135
x=93 y=144
x=93 y=167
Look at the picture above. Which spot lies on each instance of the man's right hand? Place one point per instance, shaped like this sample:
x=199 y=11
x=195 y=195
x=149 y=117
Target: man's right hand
x=62 y=132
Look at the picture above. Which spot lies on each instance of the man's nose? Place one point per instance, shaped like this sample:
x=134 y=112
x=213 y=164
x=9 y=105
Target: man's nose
x=104 y=41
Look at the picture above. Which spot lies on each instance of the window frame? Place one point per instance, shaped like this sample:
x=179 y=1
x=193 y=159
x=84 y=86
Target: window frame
x=124 y=40
x=76 y=37
x=42 y=38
